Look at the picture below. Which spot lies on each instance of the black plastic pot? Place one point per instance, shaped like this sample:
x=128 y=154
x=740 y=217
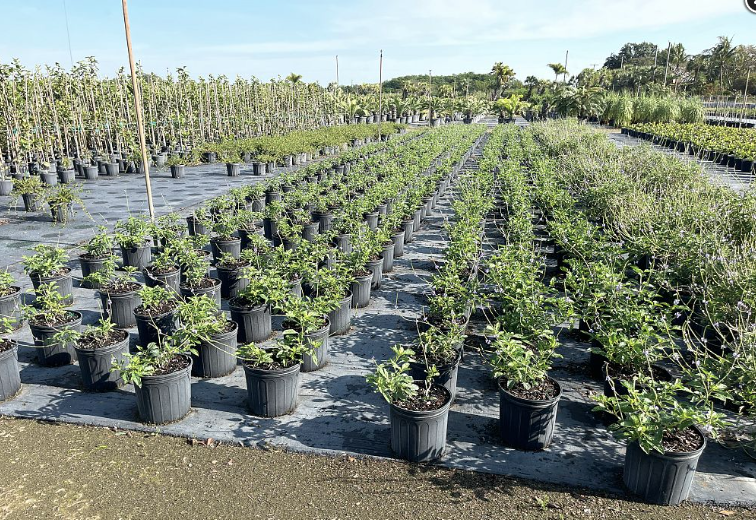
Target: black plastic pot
x=388 y=257
x=360 y=288
x=232 y=247
x=168 y=280
x=216 y=357
x=319 y=358
x=419 y=436
x=271 y=393
x=63 y=284
x=232 y=282
x=89 y=266
x=152 y=328
x=213 y=292
x=663 y=479
x=527 y=424
x=95 y=366
x=10 y=307
x=51 y=179
x=447 y=374
x=371 y=219
x=10 y=377
x=325 y=221
x=120 y=307
x=61 y=213
x=255 y=323
x=310 y=231
x=258 y=204
x=49 y=352
x=195 y=227
x=408 y=226
x=31 y=202
x=398 y=240
x=375 y=267
x=341 y=316
x=177 y=171
x=270 y=228
x=67 y=176
x=233 y=169
x=112 y=169
x=139 y=257
x=165 y=398
x=91 y=173
x=272 y=196
x=343 y=243
x=6 y=187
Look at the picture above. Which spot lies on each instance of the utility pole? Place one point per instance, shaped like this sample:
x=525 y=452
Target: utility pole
x=666 y=69
x=337 y=70
x=380 y=94
x=138 y=108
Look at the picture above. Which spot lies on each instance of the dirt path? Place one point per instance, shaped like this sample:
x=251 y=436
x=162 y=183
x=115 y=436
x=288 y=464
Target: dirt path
x=76 y=472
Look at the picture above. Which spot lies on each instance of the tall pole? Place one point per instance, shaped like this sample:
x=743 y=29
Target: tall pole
x=380 y=94
x=138 y=108
x=430 y=96
x=656 y=55
x=745 y=98
x=337 y=70
x=68 y=33
x=564 y=77
x=666 y=68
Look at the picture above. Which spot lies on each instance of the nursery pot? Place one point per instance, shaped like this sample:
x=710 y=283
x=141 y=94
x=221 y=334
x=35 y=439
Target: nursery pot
x=213 y=291
x=271 y=393
x=375 y=267
x=195 y=227
x=527 y=424
x=31 y=202
x=255 y=323
x=10 y=307
x=419 y=436
x=6 y=187
x=89 y=266
x=177 y=171
x=310 y=231
x=63 y=284
x=447 y=376
x=361 y=291
x=343 y=243
x=10 y=377
x=388 y=257
x=232 y=247
x=233 y=169
x=165 y=398
x=139 y=257
x=112 y=169
x=119 y=307
x=408 y=226
x=90 y=173
x=341 y=316
x=398 y=240
x=169 y=280
x=61 y=213
x=152 y=328
x=49 y=352
x=325 y=221
x=216 y=357
x=95 y=365
x=232 y=281
x=371 y=219
x=51 y=179
x=319 y=358
x=67 y=176
x=663 y=479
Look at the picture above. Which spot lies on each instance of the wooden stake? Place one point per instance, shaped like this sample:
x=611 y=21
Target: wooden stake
x=380 y=94
x=138 y=108
x=666 y=69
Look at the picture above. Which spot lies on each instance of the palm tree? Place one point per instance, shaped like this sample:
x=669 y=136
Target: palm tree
x=558 y=69
x=502 y=74
x=294 y=78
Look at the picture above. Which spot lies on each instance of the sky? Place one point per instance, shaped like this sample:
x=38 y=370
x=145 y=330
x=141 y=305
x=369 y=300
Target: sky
x=266 y=39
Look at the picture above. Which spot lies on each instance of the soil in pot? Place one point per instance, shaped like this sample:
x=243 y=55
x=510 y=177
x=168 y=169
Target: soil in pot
x=418 y=426
x=96 y=356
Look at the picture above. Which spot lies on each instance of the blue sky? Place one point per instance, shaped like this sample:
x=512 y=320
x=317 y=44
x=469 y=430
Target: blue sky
x=270 y=38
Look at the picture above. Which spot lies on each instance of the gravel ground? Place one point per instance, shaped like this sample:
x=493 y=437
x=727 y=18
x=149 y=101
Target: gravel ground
x=105 y=474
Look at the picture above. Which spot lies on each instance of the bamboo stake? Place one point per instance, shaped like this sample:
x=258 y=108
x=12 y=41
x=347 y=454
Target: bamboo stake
x=380 y=94
x=138 y=108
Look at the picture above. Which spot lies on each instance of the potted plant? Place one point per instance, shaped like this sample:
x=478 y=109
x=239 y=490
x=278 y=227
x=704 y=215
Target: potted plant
x=97 y=348
x=31 y=190
x=306 y=322
x=53 y=327
x=97 y=253
x=224 y=240
x=47 y=265
x=163 y=271
x=10 y=301
x=206 y=331
x=272 y=376
x=156 y=315
x=196 y=280
x=66 y=173
x=528 y=396
x=418 y=410
x=119 y=296
x=230 y=274
x=251 y=308
x=61 y=200
x=133 y=236
x=664 y=435
x=177 y=164
x=6 y=184
x=10 y=377
x=438 y=351
x=161 y=374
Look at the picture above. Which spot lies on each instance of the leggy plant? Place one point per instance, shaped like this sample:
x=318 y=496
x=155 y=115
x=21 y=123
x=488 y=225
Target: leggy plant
x=132 y=232
x=392 y=380
x=46 y=262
